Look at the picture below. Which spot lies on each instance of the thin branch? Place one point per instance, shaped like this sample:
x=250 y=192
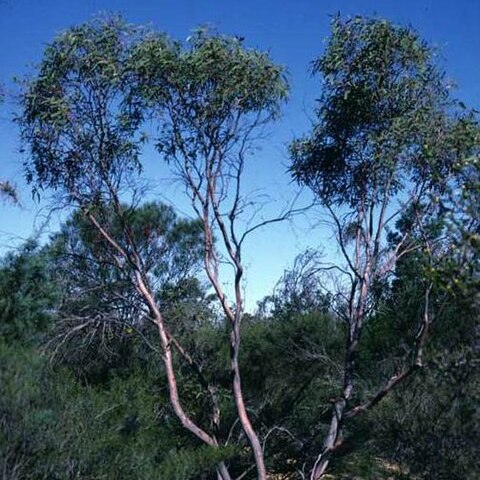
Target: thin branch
x=406 y=372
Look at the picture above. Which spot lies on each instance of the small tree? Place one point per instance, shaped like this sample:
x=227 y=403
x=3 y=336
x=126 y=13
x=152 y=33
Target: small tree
x=100 y=305
x=214 y=99
x=81 y=120
x=380 y=156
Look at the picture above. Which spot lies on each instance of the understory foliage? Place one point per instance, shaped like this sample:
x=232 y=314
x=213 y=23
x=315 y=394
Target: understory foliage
x=108 y=414
x=120 y=351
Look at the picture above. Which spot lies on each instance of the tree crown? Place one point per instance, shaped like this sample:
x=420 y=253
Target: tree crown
x=385 y=119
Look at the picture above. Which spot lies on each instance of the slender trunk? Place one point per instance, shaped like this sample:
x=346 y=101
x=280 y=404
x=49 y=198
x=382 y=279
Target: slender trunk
x=142 y=287
x=241 y=409
x=234 y=318
x=185 y=420
x=222 y=472
x=168 y=364
x=334 y=434
x=331 y=439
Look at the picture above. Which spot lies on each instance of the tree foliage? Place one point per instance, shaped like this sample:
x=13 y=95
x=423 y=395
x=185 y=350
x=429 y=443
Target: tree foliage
x=386 y=119
x=79 y=118
x=119 y=360
x=386 y=147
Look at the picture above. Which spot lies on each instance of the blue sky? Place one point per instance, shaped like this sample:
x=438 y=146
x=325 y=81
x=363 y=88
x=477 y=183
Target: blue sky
x=293 y=31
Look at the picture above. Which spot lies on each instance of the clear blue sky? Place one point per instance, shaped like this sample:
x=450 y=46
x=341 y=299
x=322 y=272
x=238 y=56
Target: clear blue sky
x=292 y=30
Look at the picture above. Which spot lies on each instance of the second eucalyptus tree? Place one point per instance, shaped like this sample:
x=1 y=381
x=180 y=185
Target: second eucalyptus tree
x=382 y=152
x=213 y=100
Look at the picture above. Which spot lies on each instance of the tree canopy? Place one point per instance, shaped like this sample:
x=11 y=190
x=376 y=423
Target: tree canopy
x=125 y=343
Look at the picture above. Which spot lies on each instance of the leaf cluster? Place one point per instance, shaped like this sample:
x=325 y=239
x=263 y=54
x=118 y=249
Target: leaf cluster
x=385 y=119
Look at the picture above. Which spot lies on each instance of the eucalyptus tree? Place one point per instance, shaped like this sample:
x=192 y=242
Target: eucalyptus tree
x=81 y=122
x=213 y=100
x=82 y=116
x=382 y=152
